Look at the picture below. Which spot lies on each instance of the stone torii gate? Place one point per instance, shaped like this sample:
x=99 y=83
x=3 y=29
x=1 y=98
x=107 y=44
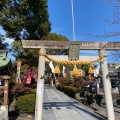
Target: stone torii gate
x=100 y=46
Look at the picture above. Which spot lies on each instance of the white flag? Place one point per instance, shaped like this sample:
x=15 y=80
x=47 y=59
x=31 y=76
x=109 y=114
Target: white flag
x=51 y=66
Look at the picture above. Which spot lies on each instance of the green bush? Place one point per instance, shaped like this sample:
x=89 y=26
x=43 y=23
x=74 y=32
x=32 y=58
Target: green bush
x=25 y=104
x=33 y=91
x=69 y=90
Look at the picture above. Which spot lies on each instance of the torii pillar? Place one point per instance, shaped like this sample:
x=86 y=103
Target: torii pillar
x=107 y=87
x=40 y=86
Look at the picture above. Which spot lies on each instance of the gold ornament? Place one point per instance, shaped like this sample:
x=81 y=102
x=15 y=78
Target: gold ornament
x=57 y=70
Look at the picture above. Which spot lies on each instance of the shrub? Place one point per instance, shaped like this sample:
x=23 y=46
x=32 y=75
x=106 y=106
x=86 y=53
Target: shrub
x=66 y=81
x=69 y=90
x=25 y=104
x=61 y=80
x=77 y=83
x=33 y=91
x=16 y=90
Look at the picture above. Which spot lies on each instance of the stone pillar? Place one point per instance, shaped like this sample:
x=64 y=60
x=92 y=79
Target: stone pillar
x=40 y=86
x=107 y=87
x=5 y=108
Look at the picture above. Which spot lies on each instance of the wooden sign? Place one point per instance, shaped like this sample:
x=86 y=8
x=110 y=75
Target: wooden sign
x=74 y=51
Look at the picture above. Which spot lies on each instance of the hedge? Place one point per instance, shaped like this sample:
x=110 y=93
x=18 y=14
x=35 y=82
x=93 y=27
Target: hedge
x=69 y=90
x=26 y=103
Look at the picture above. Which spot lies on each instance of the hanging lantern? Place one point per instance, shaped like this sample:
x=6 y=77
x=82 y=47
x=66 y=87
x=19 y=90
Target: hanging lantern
x=57 y=70
x=91 y=70
x=75 y=71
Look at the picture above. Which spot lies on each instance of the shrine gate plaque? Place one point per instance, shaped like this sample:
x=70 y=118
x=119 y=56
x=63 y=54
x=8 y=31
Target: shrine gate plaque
x=74 y=51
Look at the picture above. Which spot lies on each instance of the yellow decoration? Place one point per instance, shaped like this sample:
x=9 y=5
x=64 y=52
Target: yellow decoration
x=75 y=71
x=91 y=70
x=71 y=62
x=57 y=70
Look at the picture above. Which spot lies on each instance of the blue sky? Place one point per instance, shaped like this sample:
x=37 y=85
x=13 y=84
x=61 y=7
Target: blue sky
x=86 y=21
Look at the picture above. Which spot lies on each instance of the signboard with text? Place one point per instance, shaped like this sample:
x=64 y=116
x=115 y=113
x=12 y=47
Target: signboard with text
x=74 y=51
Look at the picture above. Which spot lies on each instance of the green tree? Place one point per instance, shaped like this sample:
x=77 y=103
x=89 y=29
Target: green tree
x=30 y=56
x=3 y=45
x=55 y=36
x=25 y=19
x=27 y=56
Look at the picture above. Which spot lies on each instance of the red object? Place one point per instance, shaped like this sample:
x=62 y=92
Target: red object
x=28 y=79
x=30 y=69
x=35 y=76
x=90 y=76
x=31 y=74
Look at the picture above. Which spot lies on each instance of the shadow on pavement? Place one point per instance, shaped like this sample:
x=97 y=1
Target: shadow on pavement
x=69 y=105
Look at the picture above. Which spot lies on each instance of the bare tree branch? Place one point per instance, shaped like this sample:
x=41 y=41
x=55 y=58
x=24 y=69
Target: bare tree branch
x=112 y=3
x=106 y=34
x=116 y=19
x=116 y=56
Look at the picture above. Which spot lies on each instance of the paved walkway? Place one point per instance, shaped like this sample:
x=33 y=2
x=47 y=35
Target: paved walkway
x=58 y=106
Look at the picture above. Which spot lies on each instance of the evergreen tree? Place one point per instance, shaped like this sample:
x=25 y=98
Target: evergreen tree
x=3 y=45
x=30 y=56
x=25 y=19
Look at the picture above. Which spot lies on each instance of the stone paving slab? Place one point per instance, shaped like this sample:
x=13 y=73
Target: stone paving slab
x=58 y=106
